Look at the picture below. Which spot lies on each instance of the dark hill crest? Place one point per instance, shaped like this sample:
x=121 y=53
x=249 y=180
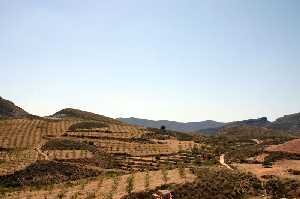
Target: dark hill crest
x=9 y=109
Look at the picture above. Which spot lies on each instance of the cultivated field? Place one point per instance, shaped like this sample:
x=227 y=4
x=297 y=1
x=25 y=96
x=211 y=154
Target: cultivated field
x=29 y=133
x=77 y=154
x=101 y=187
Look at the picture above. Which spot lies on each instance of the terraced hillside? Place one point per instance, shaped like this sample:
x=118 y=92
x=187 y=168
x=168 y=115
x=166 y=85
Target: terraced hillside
x=87 y=144
x=79 y=154
x=84 y=115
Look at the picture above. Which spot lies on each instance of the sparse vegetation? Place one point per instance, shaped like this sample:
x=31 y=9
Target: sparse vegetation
x=90 y=195
x=181 y=170
x=46 y=172
x=79 y=146
x=275 y=156
x=282 y=188
x=147 y=181
x=61 y=194
x=66 y=144
x=130 y=184
x=294 y=172
x=214 y=182
x=164 y=173
x=87 y=125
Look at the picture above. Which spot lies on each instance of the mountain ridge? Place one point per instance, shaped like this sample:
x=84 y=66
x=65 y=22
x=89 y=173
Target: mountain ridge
x=9 y=109
x=289 y=123
x=173 y=125
x=77 y=113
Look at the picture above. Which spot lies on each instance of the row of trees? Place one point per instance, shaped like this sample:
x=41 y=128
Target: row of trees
x=130 y=180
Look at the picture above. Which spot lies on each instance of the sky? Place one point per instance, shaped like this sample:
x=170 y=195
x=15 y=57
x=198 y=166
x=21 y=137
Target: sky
x=188 y=60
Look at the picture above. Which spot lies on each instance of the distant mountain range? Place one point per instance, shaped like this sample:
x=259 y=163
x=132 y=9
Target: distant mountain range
x=207 y=127
x=76 y=113
x=172 y=125
x=289 y=123
x=259 y=122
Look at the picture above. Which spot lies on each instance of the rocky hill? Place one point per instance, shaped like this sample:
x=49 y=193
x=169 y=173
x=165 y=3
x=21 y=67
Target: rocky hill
x=172 y=125
x=289 y=123
x=76 y=113
x=260 y=122
x=9 y=109
x=251 y=132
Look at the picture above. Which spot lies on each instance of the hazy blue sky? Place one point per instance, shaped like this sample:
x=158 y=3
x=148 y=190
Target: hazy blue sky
x=159 y=59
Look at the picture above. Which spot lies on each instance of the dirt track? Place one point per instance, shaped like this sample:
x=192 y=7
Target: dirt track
x=222 y=162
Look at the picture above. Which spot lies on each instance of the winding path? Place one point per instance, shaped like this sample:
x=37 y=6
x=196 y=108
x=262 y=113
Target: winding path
x=38 y=149
x=222 y=161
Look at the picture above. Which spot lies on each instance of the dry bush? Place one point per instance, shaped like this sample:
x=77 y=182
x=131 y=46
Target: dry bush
x=46 y=172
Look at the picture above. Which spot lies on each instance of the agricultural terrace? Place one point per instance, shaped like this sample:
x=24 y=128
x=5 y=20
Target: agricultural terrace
x=29 y=133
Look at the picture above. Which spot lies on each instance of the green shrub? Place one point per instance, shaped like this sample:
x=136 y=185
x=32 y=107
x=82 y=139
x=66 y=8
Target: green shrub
x=181 y=170
x=164 y=173
x=282 y=188
x=147 y=181
x=130 y=184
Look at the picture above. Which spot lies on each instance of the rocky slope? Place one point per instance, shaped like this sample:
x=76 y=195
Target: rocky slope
x=9 y=109
x=289 y=123
x=260 y=122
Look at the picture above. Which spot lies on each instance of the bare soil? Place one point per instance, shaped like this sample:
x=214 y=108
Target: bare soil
x=279 y=168
x=292 y=146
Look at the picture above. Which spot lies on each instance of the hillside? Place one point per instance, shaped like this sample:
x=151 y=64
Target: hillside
x=260 y=122
x=289 y=123
x=79 y=114
x=248 y=132
x=81 y=147
x=9 y=109
x=80 y=154
x=173 y=125
x=292 y=146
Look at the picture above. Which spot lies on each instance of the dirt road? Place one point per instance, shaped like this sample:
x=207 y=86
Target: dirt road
x=222 y=162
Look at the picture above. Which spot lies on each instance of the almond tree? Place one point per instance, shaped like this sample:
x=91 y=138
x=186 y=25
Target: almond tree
x=164 y=172
x=181 y=170
x=130 y=184
x=147 y=181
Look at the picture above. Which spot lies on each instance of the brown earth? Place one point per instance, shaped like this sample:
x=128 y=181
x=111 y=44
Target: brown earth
x=102 y=189
x=279 y=168
x=292 y=146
